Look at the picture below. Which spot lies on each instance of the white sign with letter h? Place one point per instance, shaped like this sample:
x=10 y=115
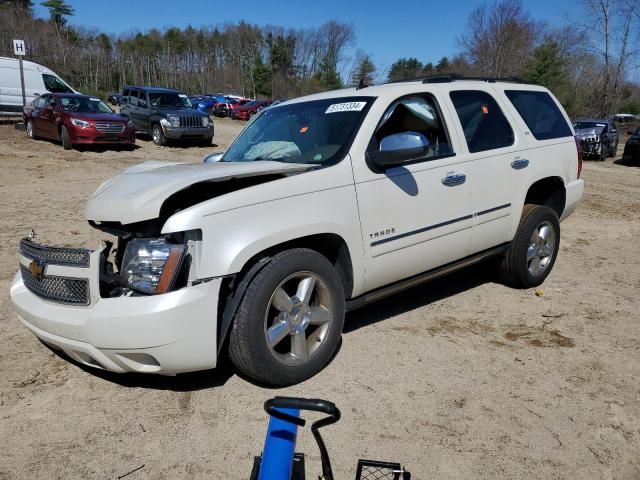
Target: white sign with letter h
x=18 y=47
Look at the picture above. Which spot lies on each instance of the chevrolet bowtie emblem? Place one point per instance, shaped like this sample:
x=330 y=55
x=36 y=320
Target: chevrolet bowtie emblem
x=36 y=269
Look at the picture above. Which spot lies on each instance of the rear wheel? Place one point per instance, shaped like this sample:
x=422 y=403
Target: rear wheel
x=66 y=139
x=534 y=249
x=290 y=320
x=158 y=135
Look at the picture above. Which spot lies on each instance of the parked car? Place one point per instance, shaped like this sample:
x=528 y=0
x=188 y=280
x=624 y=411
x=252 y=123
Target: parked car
x=225 y=109
x=248 y=110
x=165 y=114
x=114 y=98
x=38 y=80
x=77 y=119
x=209 y=103
x=322 y=204
x=632 y=148
x=599 y=138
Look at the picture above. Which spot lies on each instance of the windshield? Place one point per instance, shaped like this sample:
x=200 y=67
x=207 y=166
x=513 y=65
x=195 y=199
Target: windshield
x=317 y=132
x=169 y=99
x=585 y=125
x=84 y=105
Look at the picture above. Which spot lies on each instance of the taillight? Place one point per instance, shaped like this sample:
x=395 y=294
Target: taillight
x=579 y=149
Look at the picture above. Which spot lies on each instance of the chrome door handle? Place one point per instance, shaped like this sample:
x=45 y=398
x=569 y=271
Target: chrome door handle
x=520 y=164
x=454 y=179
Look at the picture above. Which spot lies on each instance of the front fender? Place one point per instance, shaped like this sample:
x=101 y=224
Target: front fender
x=233 y=237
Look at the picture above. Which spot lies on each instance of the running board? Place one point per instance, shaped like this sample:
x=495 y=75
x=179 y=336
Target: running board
x=354 y=303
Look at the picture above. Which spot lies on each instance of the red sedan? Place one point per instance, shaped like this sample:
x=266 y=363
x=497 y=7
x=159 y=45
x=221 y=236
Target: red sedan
x=77 y=120
x=248 y=110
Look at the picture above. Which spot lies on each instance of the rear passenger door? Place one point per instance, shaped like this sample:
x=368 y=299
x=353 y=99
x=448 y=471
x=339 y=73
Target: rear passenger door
x=494 y=150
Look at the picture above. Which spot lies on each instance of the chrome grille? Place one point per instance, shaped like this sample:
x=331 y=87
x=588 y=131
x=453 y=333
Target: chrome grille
x=44 y=254
x=73 y=291
x=110 y=127
x=190 y=122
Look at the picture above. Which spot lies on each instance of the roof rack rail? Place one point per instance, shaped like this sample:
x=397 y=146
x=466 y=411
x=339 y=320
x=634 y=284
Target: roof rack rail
x=453 y=77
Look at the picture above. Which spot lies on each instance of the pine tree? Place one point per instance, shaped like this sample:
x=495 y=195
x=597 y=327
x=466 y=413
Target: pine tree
x=59 y=10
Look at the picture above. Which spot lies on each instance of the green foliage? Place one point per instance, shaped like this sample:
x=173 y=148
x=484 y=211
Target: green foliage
x=328 y=75
x=262 y=78
x=59 y=11
x=365 y=71
x=405 y=68
x=443 y=65
x=546 y=66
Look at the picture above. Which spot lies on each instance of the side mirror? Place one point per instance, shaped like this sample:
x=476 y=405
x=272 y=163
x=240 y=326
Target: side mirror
x=213 y=158
x=398 y=149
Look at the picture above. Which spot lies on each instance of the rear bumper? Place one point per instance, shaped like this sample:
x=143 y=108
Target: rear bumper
x=198 y=133
x=170 y=333
x=573 y=195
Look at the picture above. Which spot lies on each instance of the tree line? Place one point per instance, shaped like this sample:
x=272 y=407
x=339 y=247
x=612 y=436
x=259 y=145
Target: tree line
x=590 y=66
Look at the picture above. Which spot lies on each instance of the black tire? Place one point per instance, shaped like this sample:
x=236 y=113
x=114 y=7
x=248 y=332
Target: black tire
x=66 y=139
x=516 y=268
x=248 y=348
x=157 y=135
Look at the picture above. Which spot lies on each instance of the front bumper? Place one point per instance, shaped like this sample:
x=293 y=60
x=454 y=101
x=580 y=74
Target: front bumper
x=195 y=133
x=170 y=333
x=91 y=136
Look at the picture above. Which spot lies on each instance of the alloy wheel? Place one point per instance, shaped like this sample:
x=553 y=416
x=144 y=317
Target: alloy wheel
x=298 y=318
x=541 y=248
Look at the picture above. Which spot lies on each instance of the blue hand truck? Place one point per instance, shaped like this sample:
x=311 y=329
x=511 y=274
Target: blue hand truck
x=279 y=460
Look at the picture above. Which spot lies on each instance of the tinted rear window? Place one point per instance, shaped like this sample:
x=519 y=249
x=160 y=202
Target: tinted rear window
x=540 y=113
x=485 y=126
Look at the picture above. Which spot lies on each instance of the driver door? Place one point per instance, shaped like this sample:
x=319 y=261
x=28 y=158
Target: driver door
x=418 y=215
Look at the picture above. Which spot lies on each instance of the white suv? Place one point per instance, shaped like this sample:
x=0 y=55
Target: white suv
x=321 y=204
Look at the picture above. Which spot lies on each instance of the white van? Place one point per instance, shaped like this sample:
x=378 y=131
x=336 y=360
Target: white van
x=37 y=80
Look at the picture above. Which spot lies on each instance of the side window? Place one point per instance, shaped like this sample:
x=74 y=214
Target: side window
x=540 y=113
x=485 y=126
x=125 y=96
x=133 y=97
x=54 y=85
x=410 y=122
x=42 y=101
x=142 y=98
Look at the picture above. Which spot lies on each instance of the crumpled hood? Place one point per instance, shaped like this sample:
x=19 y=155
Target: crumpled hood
x=137 y=193
x=589 y=132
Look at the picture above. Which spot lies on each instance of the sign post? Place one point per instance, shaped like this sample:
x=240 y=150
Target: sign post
x=19 y=51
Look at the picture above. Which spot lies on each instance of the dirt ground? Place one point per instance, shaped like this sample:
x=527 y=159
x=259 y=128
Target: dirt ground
x=460 y=378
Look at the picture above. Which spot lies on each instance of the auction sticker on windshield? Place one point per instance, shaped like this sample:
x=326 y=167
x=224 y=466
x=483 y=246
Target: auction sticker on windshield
x=345 y=107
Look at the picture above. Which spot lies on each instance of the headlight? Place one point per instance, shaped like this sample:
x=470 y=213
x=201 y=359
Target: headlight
x=151 y=265
x=205 y=121
x=129 y=124
x=80 y=123
x=175 y=121
x=164 y=122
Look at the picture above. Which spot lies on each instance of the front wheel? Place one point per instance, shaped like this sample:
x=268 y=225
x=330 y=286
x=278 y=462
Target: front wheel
x=30 y=131
x=158 y=135
x=289 y=322
x=66 y=139
x=534 y=249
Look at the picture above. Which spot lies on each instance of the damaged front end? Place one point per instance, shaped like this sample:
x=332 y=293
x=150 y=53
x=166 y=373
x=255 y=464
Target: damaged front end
x=78 y=276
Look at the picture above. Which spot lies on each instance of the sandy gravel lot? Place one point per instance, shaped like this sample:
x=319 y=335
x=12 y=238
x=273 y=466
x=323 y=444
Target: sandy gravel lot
x=460 y=378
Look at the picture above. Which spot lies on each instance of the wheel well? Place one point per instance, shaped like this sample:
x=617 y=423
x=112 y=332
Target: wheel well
x=330 y=245
x=548 y=191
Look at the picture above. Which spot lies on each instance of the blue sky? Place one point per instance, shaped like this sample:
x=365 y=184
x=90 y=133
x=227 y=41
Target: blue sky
x=387 y=30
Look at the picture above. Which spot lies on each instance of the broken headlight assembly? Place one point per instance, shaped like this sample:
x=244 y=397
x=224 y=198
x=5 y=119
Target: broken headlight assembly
x=151 y=265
